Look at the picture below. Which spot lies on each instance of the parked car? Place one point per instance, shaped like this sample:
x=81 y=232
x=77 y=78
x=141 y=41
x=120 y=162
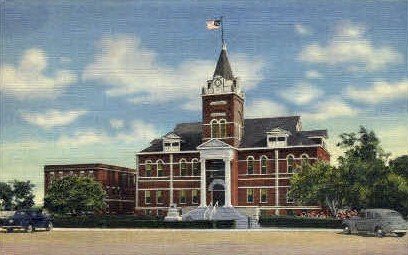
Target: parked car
x=377 y=221
x=29 y=220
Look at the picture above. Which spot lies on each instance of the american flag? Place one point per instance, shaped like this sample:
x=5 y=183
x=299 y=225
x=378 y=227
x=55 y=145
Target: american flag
x=213 y=24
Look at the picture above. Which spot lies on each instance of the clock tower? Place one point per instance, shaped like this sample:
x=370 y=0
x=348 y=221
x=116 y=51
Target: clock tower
x=223 y=104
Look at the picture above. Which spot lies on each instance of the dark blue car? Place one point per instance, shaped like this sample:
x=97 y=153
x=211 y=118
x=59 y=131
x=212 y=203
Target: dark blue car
x=29 y=220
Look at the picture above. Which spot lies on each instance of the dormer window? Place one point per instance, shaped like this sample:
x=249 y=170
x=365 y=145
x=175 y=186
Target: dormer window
x=171 y=142
x=277 y=138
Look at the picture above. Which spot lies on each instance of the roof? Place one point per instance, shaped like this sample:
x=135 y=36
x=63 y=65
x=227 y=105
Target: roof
x=90 y=166
x=254 y=133
x=223 y=67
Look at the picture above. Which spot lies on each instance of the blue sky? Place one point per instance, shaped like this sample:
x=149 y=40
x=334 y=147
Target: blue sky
x=94 y=81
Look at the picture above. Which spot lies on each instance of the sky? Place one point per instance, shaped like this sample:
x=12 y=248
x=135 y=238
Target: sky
x=95 y=81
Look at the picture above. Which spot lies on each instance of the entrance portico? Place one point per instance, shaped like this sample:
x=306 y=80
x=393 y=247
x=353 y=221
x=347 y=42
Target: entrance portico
x=211 y=153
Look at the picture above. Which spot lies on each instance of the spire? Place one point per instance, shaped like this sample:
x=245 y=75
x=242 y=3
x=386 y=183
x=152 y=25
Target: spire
x=223 y=67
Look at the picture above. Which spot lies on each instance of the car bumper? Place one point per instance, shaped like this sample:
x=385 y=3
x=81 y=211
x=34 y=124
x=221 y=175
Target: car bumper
x=399 y=231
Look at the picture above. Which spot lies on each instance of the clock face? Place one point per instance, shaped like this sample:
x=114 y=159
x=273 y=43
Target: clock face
x=217 y=82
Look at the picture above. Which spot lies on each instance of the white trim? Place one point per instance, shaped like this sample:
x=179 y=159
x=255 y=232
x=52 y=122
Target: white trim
x=271 y=178
x=182 y=160
x=119 y=200
x=164 y=152
x=145 y=197
x=261 y=187
x=260 y=164
x=287 y=163
x=282 y=159
x=181 y=191
x=168 y=189
x=260 y=196
x=253 y=165
x=195 y=160
x=157 y=167
x=253 y=195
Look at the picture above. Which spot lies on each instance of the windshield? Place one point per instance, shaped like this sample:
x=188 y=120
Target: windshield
x=393 y=214
x=20 y=213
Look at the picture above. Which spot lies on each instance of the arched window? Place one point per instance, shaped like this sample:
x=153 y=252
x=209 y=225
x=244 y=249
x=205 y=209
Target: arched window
x=183 y=167
x=223 y=128
x=264 y=164
x=305 y=159
x=250 y=165
x=148 y=167
x=290 y=163
x=214 y=129
x=160 y=167
x=195 y=165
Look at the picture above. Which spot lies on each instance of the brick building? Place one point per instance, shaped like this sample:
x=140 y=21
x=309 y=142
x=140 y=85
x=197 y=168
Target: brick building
x=118 y=182
x=226 y=159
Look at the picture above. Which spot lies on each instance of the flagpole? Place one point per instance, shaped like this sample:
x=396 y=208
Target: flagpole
x=222 y=31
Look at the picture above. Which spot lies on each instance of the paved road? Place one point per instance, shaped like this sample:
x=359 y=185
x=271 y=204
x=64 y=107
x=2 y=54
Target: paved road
x=197 y=242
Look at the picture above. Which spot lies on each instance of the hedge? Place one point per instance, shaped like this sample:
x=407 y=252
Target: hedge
x=134 y=222
x=299 y=222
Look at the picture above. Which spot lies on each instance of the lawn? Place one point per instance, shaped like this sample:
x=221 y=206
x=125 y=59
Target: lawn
x=148 y=241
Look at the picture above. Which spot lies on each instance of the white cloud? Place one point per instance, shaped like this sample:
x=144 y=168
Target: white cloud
x=264 y=108
x=313 y=74
x=28 y=80
x=133 y=70
x=52 y=118
x=302 y=29
x=330 y=108
x=116 y=123
x=301 y=94
x=379 y=91
x=348 y=46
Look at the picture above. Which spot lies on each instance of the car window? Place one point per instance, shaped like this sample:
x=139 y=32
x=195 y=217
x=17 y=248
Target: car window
x=362 y=214
x=20 y=213
x=393 y=214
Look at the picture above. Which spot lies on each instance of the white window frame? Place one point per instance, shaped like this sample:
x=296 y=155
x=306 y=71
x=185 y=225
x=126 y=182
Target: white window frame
x=250 y=158
x=217 y=126
x=183 y=160
x=150 y=196
x=260 y=164
x=157 y=167
x=195 y=160
x=260 y=195
x=247 y=195
x=157 y=197
x=287 y=163
x=192 y=197
x=150 y=163
x=181 y=192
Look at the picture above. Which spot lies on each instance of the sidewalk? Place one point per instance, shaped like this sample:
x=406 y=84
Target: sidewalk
x=200 y=230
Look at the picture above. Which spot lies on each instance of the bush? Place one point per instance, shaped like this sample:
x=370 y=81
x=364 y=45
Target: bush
x=134 y=222
x=299 y=222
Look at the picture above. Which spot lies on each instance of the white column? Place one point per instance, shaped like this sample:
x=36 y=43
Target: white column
x=203 y=193
x=171 y=180
x=227 y=182
x=276 y=181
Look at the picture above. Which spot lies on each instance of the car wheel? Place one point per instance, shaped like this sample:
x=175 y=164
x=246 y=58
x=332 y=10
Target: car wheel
x=379 y=232
x=49 y=226
x=346 y=230
x=401 y=234
x=9 y=230
x=29 y=228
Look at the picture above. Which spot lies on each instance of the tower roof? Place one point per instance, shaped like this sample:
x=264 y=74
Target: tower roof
x=223 y=67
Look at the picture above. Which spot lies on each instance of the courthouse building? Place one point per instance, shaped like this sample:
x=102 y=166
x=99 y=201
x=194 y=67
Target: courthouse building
x=226 y=159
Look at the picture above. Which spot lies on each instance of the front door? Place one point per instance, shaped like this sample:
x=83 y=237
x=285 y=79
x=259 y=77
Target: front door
x=218 y=195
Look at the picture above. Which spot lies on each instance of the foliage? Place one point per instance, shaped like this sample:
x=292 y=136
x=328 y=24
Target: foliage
x=17 y=195
x=6 y=196
x=112 y=221
x=299 y=222
x=75 y=195
x=319 y=183
x=361 y=180
x=23 y=194
x=400 y=166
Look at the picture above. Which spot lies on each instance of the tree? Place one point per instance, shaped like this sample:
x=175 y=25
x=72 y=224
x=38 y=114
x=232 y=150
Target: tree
x=75 y=195
x=23 y=194
x=6 y=196
x=400 y=166
x=320 y=184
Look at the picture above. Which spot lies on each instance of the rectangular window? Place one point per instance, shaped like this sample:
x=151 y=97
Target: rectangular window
x=264 y=196
x=281 y=139
x=195 y=196
x=183 y=197
x=167 y=144
x=289 y=198
x=175 y=144
x=148 y=199
x=159 y=195
x=250 y=195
